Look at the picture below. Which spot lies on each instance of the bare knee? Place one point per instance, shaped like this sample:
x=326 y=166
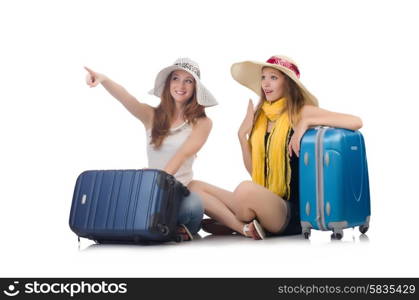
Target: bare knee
x=242 y=199
x=243 y=189
x=195 y=186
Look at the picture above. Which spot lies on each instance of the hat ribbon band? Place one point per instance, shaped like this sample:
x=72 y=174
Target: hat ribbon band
x=282 y=62
x=190 y=67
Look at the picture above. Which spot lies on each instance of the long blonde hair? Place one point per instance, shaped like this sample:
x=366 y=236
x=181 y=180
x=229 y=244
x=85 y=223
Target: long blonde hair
x=296 y=99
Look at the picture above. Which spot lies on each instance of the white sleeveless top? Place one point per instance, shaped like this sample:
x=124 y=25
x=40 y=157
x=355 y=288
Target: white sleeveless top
x=158 y=159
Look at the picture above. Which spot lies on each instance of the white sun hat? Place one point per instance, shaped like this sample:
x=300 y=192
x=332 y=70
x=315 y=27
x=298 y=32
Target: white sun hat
x=249 y=73
x=203 y=95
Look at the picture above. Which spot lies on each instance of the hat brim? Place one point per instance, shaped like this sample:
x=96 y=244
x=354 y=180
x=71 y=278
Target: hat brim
x=203 y=95
x=249 y=73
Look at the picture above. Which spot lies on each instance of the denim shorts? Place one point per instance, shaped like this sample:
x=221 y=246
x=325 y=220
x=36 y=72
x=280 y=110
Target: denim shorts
x=292 y=225
x=191 y=212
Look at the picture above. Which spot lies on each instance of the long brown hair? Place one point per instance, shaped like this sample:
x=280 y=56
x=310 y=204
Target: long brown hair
x=164 y=113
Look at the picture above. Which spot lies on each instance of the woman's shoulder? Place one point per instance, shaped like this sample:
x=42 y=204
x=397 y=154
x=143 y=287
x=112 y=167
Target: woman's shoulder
x=203 y=123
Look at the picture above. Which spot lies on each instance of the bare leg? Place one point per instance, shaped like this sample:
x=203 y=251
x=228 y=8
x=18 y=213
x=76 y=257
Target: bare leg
x=252 y=201
x=222 y=195
x=217 y=204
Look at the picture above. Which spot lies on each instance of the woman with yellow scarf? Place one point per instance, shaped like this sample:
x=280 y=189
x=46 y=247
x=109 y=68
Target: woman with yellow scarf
x=270 y=139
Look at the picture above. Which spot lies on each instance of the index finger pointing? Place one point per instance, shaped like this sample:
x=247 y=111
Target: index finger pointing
x=89 y=70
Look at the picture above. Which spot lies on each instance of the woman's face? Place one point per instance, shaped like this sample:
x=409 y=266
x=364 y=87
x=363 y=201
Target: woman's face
x=273 y=82
x=182 y=86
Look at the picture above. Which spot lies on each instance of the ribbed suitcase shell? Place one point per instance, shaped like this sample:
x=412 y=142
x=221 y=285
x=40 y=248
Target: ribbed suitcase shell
x=334 y=185
x=126 y=205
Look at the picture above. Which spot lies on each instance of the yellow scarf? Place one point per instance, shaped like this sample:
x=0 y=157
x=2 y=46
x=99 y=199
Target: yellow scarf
x=278 y=161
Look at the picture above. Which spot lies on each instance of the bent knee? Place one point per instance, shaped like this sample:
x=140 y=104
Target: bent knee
x=243 y=190
x=195 y=185
x=241 y=204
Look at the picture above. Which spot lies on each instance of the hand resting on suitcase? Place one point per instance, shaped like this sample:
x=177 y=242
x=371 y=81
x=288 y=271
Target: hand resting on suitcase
x=315 y=116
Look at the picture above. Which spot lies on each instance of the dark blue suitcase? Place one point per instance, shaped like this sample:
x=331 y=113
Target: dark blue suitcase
x=334 y=186
x=126 y=206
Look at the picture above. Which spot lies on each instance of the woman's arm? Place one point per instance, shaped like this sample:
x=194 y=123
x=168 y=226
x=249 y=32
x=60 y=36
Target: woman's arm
x=243 y=133
x=191 y=146
x=141 y=111
x=314 y=116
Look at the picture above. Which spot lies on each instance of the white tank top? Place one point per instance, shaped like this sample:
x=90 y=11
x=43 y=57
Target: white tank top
x=158 y=159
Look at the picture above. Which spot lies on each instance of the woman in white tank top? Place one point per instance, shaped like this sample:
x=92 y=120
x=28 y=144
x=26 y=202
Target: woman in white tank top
x=176 y=129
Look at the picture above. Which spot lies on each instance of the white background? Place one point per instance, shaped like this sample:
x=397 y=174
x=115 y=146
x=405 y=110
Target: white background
x=359 y=57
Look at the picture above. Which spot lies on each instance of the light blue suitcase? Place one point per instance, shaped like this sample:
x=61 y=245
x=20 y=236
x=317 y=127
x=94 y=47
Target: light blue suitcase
x=334 y=187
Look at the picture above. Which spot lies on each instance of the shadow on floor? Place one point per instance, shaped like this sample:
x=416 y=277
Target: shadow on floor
x=222 y=241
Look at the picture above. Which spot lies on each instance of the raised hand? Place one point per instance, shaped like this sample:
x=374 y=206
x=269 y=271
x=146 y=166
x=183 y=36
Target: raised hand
x=247 y=123
x=93 y=78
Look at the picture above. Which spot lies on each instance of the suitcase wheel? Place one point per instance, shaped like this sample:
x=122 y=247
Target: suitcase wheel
x=163 y=229
x=363 y=229
x=178 y=238
x=186 y=192
x=337 y=235
x=306 y=235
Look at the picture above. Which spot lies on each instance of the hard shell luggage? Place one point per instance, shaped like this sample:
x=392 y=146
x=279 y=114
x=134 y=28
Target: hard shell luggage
x=334 y=186
x=126 y=206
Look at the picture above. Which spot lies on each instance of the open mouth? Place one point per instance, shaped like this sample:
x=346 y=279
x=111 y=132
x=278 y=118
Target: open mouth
x=180 y=93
